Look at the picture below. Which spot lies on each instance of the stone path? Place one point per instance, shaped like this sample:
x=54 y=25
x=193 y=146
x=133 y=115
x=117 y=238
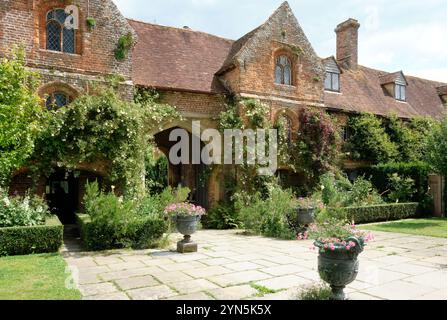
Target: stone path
x=231 y=266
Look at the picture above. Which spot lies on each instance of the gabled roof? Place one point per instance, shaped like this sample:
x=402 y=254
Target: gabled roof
x=395 y=77
x=331 y=65
x=361 y=91
x=180 y=59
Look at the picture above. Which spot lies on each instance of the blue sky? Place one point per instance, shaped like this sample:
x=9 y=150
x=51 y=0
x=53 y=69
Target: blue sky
x=408 y=35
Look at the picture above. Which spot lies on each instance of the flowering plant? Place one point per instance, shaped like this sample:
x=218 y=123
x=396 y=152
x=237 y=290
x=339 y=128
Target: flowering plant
x=335 y=235
x=309 y=203
x=184 y=209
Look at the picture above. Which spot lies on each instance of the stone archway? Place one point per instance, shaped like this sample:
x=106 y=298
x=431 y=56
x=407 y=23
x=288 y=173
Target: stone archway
x=188 y=175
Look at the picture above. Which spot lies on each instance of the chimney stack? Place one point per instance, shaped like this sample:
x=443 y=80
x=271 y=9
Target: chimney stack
x=348 y=43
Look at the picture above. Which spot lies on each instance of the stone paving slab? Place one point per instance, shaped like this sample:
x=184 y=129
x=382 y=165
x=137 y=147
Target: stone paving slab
x=230 y=264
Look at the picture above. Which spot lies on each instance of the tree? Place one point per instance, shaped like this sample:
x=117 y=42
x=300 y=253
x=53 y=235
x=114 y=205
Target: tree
x=437 y=148
x=21 y=114
x=369 y=141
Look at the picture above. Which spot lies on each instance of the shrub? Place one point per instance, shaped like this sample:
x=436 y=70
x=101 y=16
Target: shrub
x=402 y=188
x=115 y=222
x=269 y=217
x=377 y=213
x=222 y=217
x=22 y=211
x=418 y=171
x=34 y=239
x=141 y=233
x=369 y=141
x=338 y=191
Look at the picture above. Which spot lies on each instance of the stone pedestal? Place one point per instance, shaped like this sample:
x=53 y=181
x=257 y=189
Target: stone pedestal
x=187 y=246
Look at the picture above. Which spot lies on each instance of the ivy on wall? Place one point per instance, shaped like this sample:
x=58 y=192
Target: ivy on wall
x=103 y=128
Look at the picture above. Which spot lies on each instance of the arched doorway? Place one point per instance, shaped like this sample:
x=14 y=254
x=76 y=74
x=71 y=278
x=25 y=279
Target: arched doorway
x=193 y=176
x=64 y=192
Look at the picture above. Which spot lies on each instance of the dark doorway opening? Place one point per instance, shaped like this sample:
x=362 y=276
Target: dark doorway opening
x=62 y=194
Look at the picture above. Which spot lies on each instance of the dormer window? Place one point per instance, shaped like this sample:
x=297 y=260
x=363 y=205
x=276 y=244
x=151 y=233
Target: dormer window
x=283 y=71
x=442 y=91
x=401 y=92
x=395 y=85
x=332 y=80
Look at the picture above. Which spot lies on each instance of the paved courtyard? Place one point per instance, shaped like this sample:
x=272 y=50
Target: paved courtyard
x=230 y=265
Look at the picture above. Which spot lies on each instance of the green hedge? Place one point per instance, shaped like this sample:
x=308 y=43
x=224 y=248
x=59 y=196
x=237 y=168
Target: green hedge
x=29 y=240
x=140 y=234
x=378 y=213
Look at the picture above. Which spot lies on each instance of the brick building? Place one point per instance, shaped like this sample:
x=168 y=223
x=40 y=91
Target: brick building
x=195 y=71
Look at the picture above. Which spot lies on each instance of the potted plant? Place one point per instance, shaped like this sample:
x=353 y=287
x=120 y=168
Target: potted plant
x=339 y=245
x=186 y=217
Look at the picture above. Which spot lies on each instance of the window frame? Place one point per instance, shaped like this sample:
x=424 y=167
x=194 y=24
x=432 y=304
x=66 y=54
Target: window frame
x=54 y=19
x=332 y=87
x=400 y=92
x=52 y=96
x=282 y=68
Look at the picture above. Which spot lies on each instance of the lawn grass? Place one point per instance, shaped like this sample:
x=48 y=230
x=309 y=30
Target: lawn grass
x=434 y=227
x=35 y=277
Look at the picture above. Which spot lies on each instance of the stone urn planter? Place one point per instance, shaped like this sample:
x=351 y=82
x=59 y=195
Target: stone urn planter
x=338 y=265
x=186 y=217
x=305 y=216
x=187 y=226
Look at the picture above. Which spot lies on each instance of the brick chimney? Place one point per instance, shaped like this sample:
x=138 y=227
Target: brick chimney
x=348 y=43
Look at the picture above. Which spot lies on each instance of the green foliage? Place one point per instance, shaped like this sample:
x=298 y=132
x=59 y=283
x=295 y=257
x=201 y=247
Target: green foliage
x=377 y=213
x=417 y=171
x=115 y=222
x=338 y=192
x=269 y=217
x=320 y=292
x=21 y=114
x=369 y=141
x=91 y=22
x=402 y=188
x=222 y=217
x=156 y=172
x=437 y=148
x=125 y=44
x=22 y=212
x=102 y=127
x=29 y=240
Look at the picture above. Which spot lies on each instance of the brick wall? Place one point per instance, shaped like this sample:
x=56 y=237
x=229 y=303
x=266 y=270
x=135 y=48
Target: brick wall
x=186 y=102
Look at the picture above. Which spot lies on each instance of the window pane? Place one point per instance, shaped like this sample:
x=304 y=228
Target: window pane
x=53 y=36
x=403 y=93
x=335 y=82
x=60 y=99
x=278 y=75
x=69 y=40
x=60 y=15
x=328 y=81
x=287 y=75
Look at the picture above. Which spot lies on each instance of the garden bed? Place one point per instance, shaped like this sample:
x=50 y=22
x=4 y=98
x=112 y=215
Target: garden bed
x=29 y=240
x=141 y=233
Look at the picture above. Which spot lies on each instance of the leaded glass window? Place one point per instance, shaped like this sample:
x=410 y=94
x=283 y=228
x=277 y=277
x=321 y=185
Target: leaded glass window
x=401 y=92
x=332 y=81
x=57 y=100
x=59 y=37
x=283 y=71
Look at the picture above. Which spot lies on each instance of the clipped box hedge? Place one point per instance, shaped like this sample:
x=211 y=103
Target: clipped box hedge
x=383 y=212
x=143 y=234
x=29 y=240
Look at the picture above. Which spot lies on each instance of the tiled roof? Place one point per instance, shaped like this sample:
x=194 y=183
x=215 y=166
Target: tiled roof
x=387 y=78
x=180 y=59
x=361 y=91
